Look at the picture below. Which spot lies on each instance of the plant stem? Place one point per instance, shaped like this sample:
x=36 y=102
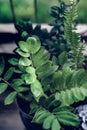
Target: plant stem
x=36 y=11
x=13 y=12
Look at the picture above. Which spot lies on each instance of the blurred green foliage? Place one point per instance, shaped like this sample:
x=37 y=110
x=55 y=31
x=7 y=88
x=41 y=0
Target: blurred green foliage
x=24 y=9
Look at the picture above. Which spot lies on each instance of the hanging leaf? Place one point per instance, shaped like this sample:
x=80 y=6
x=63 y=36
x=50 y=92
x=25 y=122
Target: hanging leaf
x=24 y=61
x=2 y=65
x=13 y=61
x=3 y=87
x=10 y=98
x=33 y=45
x=17 y=82
x=9 y=73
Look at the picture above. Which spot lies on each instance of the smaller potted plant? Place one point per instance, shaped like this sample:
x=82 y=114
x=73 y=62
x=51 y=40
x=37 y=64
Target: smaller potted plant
x=46 y=86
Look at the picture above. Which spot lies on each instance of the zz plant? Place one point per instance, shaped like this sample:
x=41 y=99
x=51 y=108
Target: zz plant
x=50 y=83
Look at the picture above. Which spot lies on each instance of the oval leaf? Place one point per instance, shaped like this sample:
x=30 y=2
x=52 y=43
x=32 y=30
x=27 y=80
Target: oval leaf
x=24 y=61
x=3 y=87
x=33 y=44
x=10 y=98
x=9 y=73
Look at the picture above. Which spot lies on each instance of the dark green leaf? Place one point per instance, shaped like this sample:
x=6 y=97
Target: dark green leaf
x=9 y=73
x=3 y=87
x=13 y=61
x=2 y=65
x=17 y=82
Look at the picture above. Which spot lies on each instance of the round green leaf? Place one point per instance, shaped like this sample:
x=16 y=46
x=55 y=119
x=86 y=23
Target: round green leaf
x=29 y=78
x=55 y=125
x=24 y=61
x=23 y=46
x=33 y=44
x=20 y=52
x=30 y=70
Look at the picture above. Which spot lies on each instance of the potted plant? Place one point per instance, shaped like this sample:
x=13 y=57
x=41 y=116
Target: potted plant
x=47 y=87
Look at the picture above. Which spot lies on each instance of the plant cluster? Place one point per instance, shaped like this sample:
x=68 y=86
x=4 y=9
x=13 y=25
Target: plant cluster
x=54 y=40
x=50 y=83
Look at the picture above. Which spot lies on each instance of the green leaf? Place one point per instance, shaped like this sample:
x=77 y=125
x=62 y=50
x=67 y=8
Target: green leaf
x=13 y=61
x=37 y=90
x=55 y=125
x=29 y=78
x=2 y=65
x=10 y=98
x=40 y=115
x=67 y=118
x=33 y=44
x=30 y=70
x=22 y=89
x=9 y=73
x=24 y=54
x=47 y=123
x=17 y=82
x=3 y=87
x=63 y=58
x=24 y=61
x=23 y=46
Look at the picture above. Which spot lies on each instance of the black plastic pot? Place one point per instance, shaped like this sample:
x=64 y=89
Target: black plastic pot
x=26 y=119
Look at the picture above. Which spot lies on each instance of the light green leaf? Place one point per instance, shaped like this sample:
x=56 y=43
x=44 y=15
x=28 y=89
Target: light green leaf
x=9 y=73
x=10 y=98
x=24 y=54
x=30 y=70
x=33 y=44
x=55 y=125
x=24 y=61
x=47 y=123
x=3 y=87
x=29 y=78
x=13 y=61
x=2 y=65
x=23 y=46
x=36 y=89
